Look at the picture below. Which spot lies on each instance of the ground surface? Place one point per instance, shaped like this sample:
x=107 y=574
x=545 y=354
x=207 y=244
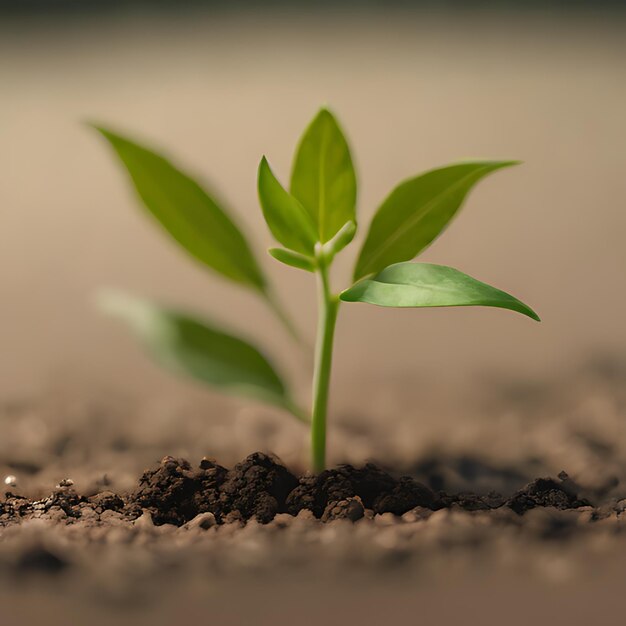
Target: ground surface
x=115 y=559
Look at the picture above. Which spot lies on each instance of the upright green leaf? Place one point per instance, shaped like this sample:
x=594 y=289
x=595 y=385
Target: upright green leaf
x=186 y=345
x=188 y=213
x=290 y=224
x=416 y=212
x=323 y=178
x=427 y=285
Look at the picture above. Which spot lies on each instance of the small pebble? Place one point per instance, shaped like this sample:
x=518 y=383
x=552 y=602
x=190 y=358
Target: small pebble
x=305 y=514
x=144 y=522
x=56 y=513
x=207 y=463
x=202 y=520
x=235 y=518
x=66 y=482
x=386 y=519
x=417 y=514
x=348 y=509
x=282 y=520
x=10 y=480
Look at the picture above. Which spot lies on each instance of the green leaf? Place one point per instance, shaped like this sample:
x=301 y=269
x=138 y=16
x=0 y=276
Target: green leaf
x=293 y=259
x=188 y=213
x=323 y=177
x=416 y=212
x=186 y=345
x=427 y=285
x=290 y=224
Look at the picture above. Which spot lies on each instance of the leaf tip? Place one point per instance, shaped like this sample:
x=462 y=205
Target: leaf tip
x=100 y=128
x=92 y=124
x=511 y=162
x=325 y=113
x=533 y=315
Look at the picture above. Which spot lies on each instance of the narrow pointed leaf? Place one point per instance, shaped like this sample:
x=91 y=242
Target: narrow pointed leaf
x=186 y=345
x=323 y=177
x=416 y=212
x=290 y=224
x=293 y=259
x=188 y=213
x=428 y=285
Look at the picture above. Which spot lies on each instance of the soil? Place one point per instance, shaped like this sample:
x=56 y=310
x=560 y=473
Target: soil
x=260 y=487
x=434 y=515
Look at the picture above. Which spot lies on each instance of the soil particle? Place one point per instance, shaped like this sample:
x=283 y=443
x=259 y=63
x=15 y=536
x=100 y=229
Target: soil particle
x=204 y=521
x=174 y=493
x=10 y=480
x=417 y=514
x=545 y=492
x=144 y=522
x=15 y=505
x=66 y=499
x=377 y=490
x=63 y=501
x=106 y=501
x=257 y=487
x=350 y=508
x=386 y=519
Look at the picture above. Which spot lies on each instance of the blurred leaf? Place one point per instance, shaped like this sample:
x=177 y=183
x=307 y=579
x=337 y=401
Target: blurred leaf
x=427 y=285
x=323 y=178
x=189 y=346
x=290 y=224
x=293 y=259
x=188 y=213
x=416 y=212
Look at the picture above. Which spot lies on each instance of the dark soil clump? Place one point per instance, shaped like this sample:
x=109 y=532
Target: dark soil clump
x=376 y=489
x=174 y=493
x=257 y=487
x=106 y=501
x=260 y=487
x=546 y=492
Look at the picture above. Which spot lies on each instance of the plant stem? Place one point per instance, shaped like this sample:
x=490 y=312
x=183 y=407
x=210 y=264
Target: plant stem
x=328 y=306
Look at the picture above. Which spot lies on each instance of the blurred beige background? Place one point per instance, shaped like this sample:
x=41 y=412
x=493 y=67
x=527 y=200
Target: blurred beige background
x=217 y=92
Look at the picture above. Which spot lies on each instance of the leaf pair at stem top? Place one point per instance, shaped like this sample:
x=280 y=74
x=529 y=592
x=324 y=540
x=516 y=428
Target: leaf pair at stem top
x=313 y=220
x=322 y=201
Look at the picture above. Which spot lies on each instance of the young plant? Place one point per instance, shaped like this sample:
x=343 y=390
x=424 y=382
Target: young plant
x=313 y=220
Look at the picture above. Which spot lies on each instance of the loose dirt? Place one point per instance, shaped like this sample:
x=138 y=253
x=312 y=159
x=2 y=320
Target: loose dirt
x=87 y=537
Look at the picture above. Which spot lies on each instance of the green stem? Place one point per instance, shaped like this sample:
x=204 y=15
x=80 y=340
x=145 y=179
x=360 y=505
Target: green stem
x=327 y=317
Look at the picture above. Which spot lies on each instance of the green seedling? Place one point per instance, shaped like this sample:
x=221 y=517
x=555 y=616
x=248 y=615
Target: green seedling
x=313 y=221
